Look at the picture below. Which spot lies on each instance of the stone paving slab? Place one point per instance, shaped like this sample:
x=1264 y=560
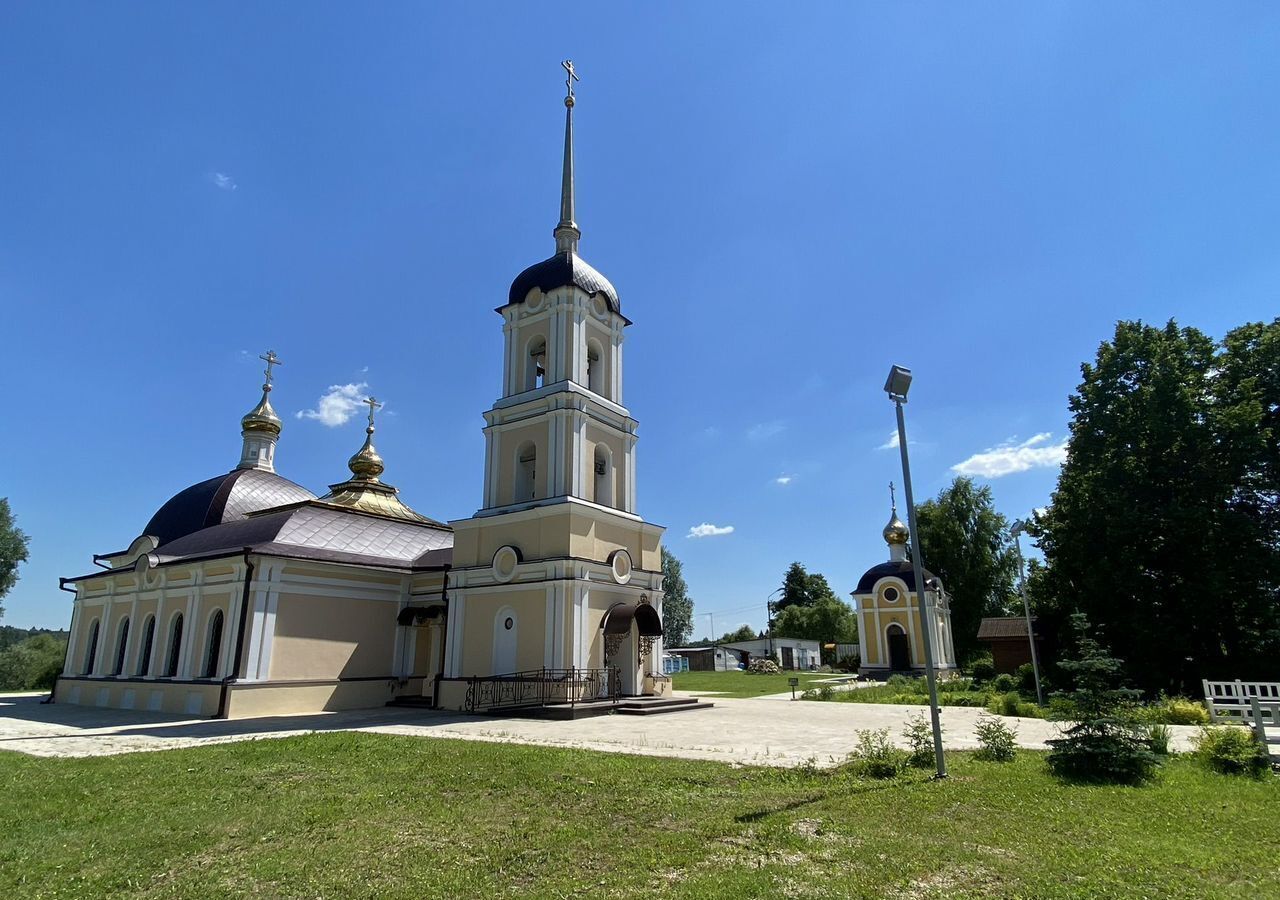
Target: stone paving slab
x=756 y=731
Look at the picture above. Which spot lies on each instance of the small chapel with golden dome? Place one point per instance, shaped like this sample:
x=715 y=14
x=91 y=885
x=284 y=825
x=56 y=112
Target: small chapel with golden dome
x=247 y=594
x=889 y=611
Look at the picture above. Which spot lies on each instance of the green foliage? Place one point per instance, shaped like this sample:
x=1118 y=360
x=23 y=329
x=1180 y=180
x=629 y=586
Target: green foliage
x=1174 y=454
x=965 y=542
x=677 y=605
x=848 y=663
x=827 y=619
x=13 y=550
x=1232 y=750
x=1175 y=711
x=1025 y=676
x=1106 y=745
x=919 y=736
x=875 y=756
x=800 y=588
x=1003 y=683
x=982 y=668
x=33 y=664
x=997 y=742
x=1158 y=737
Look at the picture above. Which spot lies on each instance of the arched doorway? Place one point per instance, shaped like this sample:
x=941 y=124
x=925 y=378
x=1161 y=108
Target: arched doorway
x=899 y=648
x=629 y=632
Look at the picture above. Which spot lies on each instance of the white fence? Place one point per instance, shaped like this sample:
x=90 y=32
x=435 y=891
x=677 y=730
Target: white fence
x=1252 y=703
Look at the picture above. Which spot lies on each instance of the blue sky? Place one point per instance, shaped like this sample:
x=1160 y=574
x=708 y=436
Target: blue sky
x=788 y=198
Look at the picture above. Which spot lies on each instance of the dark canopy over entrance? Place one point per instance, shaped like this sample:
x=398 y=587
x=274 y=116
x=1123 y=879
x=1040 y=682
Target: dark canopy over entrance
x=620 y=616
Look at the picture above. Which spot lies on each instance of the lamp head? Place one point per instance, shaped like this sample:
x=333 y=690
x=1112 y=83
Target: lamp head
x=898 y=383
x=1019 y=527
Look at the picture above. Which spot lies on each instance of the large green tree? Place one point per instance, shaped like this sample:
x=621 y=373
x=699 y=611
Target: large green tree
x=801 y=588
x=677 y=605
x=1163 y=526
x=13 y=550
x=828 y=619
x=965 y=542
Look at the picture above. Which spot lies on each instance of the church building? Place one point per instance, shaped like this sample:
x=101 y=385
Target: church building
x=889 y=612
x=247 y=594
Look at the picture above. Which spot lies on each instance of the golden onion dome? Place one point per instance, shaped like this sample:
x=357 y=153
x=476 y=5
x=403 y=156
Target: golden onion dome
x=366 y=465
x=896 y=531
x=262 y=417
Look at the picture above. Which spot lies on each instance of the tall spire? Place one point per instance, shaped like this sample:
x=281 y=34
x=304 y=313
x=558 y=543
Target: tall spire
x=367 y=465
x=567 y=232
x=260 y=427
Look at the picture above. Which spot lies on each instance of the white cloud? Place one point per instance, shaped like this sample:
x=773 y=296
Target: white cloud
x=223 y=181
x=891 y=443
x=1010 y=457
x=783 y=479
x=765 y=430
x=706 y=529
x=336 y=405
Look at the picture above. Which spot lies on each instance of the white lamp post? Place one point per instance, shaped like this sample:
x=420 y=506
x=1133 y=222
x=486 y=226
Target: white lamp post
x=1018 y=528
x=897 y=386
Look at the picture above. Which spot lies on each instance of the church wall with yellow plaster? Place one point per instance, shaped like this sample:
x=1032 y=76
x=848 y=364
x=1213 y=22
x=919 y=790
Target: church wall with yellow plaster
x=480 y=622
x=332 y=637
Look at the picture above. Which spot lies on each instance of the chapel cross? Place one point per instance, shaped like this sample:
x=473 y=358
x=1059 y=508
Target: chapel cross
x=572 y=77
x=373 y=406
x=270 y=359
x=893 y=497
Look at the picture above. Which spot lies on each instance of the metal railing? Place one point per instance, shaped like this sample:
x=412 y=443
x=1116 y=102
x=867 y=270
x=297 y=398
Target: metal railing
x=541 y=687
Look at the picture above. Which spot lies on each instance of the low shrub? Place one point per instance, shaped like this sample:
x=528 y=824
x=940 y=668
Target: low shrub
x=901 y=681
x=997 y=742
x=875 y=756
x=1231 y=750
x=1103 y=751
x=1025 y=676
x=848 y=663
x=982 y=669
x=1003 y=684
x=1158 y=736
x=764 y=666
x=1175 y=711
x=919 y=736
x=1063 y=709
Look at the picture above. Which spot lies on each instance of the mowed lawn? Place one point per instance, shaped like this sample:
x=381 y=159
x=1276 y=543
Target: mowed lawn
x=362 y=815
x=741 y=684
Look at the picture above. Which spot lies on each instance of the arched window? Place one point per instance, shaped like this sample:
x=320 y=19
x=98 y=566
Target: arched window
x=175 y=647
x=535 y=373
x=122 y=644
x=595 y=368
x=602 y=466
x=526 y=472
x=92 y=651
x=214 y=649
x=148 y=640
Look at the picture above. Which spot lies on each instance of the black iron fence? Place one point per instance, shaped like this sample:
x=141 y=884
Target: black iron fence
x=541 y=687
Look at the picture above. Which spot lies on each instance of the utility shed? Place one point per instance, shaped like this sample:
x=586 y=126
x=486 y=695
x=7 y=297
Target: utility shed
x=1007 y=638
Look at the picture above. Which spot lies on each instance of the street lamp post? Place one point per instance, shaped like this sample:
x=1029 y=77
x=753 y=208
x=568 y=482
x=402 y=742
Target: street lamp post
x=896 y=387
x=1018 y=528
x=768 y=618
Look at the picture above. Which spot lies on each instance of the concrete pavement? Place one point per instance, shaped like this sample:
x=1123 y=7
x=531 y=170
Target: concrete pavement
x=768 y=730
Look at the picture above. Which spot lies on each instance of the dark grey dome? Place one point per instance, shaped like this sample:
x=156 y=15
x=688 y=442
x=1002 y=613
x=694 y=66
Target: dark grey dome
x=895 y=569
x=563 y=269
x=225 y=498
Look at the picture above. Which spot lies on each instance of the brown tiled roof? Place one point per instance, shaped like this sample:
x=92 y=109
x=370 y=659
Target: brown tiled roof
x=1008 y=627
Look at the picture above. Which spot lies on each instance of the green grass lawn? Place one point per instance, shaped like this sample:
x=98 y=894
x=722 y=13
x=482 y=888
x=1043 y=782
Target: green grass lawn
x=740 y=684
x=360 y=815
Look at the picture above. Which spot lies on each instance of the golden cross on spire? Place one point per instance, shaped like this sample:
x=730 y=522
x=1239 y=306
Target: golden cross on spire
x=374 y=405
x=571 y=77
x=270 y=359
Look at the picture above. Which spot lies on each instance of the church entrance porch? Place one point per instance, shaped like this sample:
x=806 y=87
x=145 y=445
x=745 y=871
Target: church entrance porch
x=630 y=631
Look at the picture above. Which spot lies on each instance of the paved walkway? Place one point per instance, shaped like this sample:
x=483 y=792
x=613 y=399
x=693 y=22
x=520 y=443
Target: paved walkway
x=758 y=731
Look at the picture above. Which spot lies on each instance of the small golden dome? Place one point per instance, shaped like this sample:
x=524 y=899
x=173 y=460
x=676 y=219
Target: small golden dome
x=896 y=532
x=262 y=417
x=366 y=465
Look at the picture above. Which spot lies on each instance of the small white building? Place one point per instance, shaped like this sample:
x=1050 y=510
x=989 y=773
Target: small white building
x=789 y=653
x=719 y=658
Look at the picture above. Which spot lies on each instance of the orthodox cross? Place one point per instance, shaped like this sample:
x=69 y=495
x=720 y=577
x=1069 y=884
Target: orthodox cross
x=893 y=497
x=373 y=406
x=270 y=359
x=572 y=77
